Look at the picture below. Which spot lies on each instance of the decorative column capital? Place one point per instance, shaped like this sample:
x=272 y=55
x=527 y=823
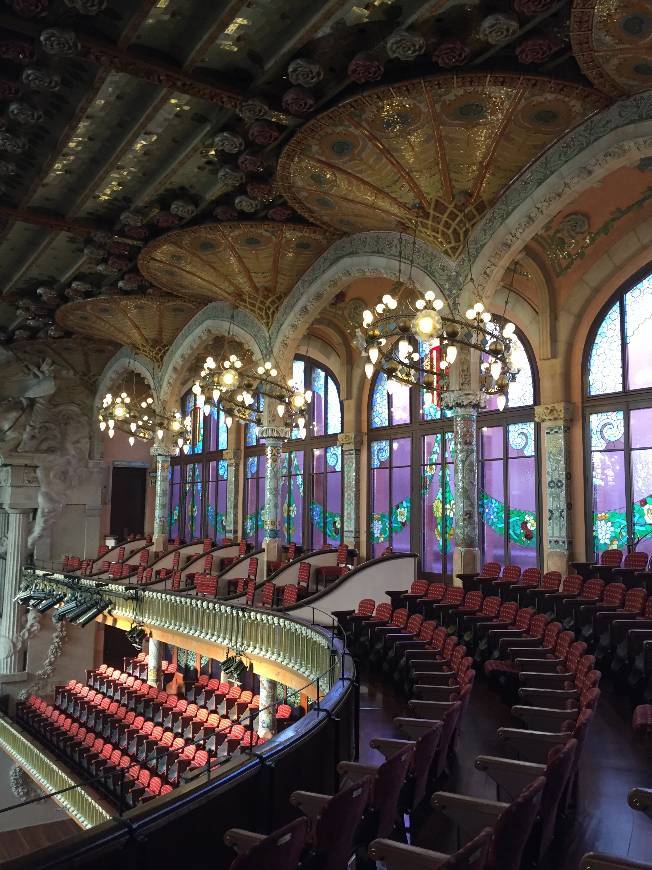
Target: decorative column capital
x=462 y=400
x=350 y=440
x=234 y=455
x=559 y=412
x=273 y=432
x=162 y=446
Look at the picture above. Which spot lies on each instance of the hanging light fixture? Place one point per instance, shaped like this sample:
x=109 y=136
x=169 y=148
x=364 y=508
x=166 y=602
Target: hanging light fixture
x=138 y=414
x=409 y=337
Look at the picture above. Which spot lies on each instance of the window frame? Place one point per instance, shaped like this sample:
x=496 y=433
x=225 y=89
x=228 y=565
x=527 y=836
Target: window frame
x=625 y=400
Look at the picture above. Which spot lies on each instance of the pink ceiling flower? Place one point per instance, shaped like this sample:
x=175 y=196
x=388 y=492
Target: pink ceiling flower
x=280 y=213
x=136 y=232
x=451 y=53
x=30 y=8
x=365 y=68
x=298 y=101
x=536 y=49
x=260 y=190
x=225 y=213
x=251 y=162
x=263 y=133
x=532 y=7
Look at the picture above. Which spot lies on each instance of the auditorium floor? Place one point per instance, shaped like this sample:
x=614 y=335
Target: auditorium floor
x=612 y=763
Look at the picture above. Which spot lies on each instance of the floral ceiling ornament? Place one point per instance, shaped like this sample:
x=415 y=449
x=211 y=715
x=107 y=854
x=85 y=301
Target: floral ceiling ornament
x=8 y=90
x=451 y=53
x=280 y=213
x=130 y=281
x=23 y=113
x=17 y=50
x=298 y=101
x=94 y=252
x=405 y=45
x=252 y=110
x=365 y=67
x=87 y=7
x=536 y=49
x=250 y=162
x=532 y=7
x=183 y=208
x=136 y=232
x=263 y=133
x=225 y=213
x=29 y=8
x=260 y=190
x=498 y=28
x=59 y=42
x=166 y=220
x=246 y=204
x=231 y=143
x=40 y=80
x=7 y=167
x=230 y=178
x=48 y=295
x=102 y=237
x=13 y=144
x=55 y=331
x=304 y=72
x=132 y=219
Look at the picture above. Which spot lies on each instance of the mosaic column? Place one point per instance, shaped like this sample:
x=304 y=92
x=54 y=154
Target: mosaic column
x=12 y=613
x=351 y=445
x=556 y=521
x=161 y=452
x=267 y=706
x=274 y=437
x=232 y=459
x=154 y=660
x=465 y=405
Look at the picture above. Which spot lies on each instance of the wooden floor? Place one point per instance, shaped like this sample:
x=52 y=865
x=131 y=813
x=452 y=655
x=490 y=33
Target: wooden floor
x=613 y=761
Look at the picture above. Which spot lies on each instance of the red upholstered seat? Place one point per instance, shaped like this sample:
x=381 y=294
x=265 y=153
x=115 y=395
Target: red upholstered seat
x=642 y=719
x=279 y=851
x=268 y=595
x=290 y=595
x=611 y=558
x=329 y=573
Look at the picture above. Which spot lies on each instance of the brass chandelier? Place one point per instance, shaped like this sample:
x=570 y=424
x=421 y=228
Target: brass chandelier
x=239 y=386
x=140 y=416
x=411 y=341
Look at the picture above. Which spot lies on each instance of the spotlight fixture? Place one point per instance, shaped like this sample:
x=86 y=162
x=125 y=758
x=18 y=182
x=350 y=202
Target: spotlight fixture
x=49 y=602
x=136 y=636
x=29 y=597
x=69 y=605
x=96 y=608
x=233 y=667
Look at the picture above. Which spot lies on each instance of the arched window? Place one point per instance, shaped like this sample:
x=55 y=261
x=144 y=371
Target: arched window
x=198 y=478
x=410 y=474
x=411 y=480
x=310 y=492
x=507 y=472
x=618 y=421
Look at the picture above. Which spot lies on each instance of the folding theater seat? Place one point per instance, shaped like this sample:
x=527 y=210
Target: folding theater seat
x=458 y=673
x=348 y=618
x=610 y=626
x=268 y=595
x=507 y=669
x=363 y=627
x=128 y=734
x=283 y=713
x=438 y=610
x=403 y=647
x=400 y=597
x=166 y=573
x=489 y=571
x=391 y=650
x=290 y=595
x=178 y=760
x=489 y=610
x=136 y=792
x=396 y=625
x=303 y=579
x=592 y=592
x=207 y=567
x=276 y=565
x=383 y=817
x=412 y=598
x=509 y=575
x=225 y=561
x=512 y=776
x=529 y=579
x=423 y=648
x=610 y=559
x=333 y=823
x=430 y=659
x=633 y=564
x=569 y=587
x=534 y=632
x=252 y=574
x=329 y=573
x=470 y=606
x=212 y=695
x=494 y=633
x=563 y=697
x=231 y=699
x=281 y=850
x=399 y=856
x=642 y=719
x=553 y=718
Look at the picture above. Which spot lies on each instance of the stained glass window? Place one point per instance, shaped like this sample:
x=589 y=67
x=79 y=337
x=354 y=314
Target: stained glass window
x=175 y=501
x=389 y=522
x=619 y=442
x=390 y=403
x=520 y=392
x=291 y=497
x=438 y=503
x=508 y=494
x=254 y=499
x=215 y=524
x=326 y=504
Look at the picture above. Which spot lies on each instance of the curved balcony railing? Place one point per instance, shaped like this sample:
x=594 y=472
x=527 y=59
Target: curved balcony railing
x=288 y=642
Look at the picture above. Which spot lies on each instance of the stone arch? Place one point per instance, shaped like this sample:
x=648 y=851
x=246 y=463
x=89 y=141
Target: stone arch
x=218 y=318
x=123 y=361
x=361 y=255
x=616 y=137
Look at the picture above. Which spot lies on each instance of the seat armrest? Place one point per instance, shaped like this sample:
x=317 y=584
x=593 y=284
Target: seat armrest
x=548 y=717
x=469 y=813
x=535 y=680
x=433 y=678
x=242 y=841
x=532 y=745
x=430 y=709
x=415 y=728
x=399 y=856
x=388 y=746
x=541 y=666
x=425 y=692
x=353 y=771
x=337 y=613
x=310 y=803
x=548 y=697
x=510 y=775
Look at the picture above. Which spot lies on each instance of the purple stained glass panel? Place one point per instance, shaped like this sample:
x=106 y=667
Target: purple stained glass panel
x=318 y=400
x=432 y=520
x=642 y=498
x=640 y=428
x=608 y=500
x=638 y=328
x=400 y=404
x=492 y=499
x=291 y=498
x=522 y=509
x=334 y=422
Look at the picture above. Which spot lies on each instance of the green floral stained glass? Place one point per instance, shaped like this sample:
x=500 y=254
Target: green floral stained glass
x=253 y=522
x=522 y=524
x=333 y=520
x=380 y=522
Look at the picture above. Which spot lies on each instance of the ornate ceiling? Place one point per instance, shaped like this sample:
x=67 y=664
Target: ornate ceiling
x=431 y=154
x=121 y=120
x=149 y=324
x=252 y=265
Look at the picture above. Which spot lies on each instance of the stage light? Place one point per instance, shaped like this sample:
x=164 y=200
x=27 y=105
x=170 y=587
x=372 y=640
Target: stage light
x=96 y=609
x=47 y=603
x=70 y=604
